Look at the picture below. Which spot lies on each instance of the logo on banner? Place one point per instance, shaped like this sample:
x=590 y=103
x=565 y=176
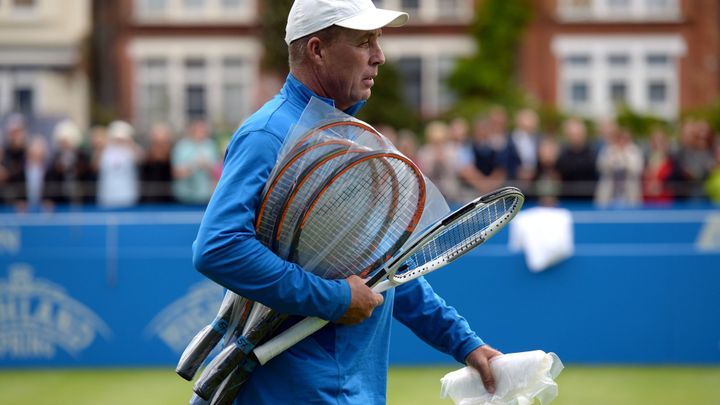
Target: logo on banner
x=178 y=323
x=37 y=317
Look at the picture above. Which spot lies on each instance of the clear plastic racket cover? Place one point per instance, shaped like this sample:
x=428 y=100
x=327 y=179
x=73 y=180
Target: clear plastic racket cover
x=341 y=198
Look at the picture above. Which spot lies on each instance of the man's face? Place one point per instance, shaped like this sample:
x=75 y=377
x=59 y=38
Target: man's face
x=351 y=65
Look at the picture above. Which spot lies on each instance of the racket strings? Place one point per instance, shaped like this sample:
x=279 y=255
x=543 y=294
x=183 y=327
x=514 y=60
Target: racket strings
x=376 y=202
x=281 y=185
x=460 y=236
x=300 y=194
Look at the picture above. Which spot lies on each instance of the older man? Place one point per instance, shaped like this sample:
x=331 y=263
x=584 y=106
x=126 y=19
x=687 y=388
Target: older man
x=334 y=56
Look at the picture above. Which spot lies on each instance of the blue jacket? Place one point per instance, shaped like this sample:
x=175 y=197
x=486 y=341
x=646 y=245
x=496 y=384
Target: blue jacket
x=338 y=364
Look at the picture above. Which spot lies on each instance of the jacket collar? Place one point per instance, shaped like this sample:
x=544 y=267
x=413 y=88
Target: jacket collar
x=299 y=93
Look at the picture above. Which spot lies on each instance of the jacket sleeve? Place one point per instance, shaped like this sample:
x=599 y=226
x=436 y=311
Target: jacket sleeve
x=227 y=251
x=419 y=308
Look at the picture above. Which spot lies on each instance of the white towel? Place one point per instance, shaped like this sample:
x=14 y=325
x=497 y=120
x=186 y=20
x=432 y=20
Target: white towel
x=520 y=379
x=544 y=234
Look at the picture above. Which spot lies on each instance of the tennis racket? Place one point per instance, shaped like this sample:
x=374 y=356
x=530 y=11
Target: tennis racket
x=439 y=245
x=336 y=233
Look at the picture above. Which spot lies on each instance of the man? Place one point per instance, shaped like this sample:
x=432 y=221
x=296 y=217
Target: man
x=335 y=56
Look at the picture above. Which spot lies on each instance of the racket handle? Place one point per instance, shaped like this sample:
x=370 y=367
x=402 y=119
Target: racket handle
x=199 y=349
x=230 y=388
x=383 y=286
x=196 y=400
x=288 y=338
x=218 y=369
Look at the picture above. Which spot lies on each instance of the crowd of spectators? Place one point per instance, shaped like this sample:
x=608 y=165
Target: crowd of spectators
x=604 y=163
x=110 y=166
x=114 y=166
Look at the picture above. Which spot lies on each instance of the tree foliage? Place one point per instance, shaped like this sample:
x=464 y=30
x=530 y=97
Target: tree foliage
x=387 y=105
x=488 y=76
x=272 y=31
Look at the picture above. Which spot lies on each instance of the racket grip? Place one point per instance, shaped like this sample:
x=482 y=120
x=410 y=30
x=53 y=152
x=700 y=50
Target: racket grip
x=218 y=369
x=228 y=391
x=383 y=286
x=288 y=338
x=199 y=348
x=196 y=400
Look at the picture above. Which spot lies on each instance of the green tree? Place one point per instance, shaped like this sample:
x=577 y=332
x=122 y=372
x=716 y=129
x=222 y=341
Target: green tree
x=488 y=76
x=387 y=105
x=640 y=125
x=272 y=31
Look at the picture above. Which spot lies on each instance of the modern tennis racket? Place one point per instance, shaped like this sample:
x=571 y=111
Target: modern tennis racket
x=356 y=217
x=439 y=245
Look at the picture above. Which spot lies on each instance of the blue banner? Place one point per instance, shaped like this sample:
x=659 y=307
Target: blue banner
x=118 y=289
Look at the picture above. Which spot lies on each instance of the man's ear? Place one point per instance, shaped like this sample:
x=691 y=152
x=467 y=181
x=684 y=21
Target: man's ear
x=315 y=50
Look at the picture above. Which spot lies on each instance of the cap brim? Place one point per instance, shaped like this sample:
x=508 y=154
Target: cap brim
x=373 y=19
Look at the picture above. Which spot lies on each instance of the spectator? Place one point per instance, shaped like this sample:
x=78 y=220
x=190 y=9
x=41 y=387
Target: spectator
x=620 y=165
x=480 y=164
x=407 y=144
x=35 y=172
x=695 y=157
x=576 y=163
x=388 y=131
x=606 y=128
x=14 y=161
x=712 y=185
x=498 y=128
x=458 y=131
x=95 y=147
x=193 y=161
x=437 y=160
x=117 y=175
x=69 y=168
x=520 y=154
x=548 y=180
x=156 y=170
x=660 y=170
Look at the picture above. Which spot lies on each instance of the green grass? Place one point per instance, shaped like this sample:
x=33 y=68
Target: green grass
x=416 y=386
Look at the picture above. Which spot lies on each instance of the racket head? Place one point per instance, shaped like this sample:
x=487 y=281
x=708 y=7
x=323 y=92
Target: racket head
x=285 y=179
x=458 y=233
x=364 y=211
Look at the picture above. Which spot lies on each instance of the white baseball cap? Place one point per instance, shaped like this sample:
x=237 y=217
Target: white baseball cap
x=310 y=16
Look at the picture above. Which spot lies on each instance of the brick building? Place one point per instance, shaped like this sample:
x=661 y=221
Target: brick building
x=177 y=60
x=657 y=56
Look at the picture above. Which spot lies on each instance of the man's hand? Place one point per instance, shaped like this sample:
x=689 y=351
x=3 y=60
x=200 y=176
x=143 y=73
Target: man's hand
x=479 y=359
x=362 y=302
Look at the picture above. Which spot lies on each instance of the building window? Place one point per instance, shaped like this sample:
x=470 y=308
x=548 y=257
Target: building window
x=152 y=6
x=23 y=101
x=411 y=71
x=195 y=89
x=618 y=93
x=623 y=10
x=657 y=60
x=236 y=104
x=154 y=99
x=194 y=4
x=618 y=60
x=657 y=93
x=577 y=60
x=579 y=93
x=447 y=97
x=637 y=71
x=232 y=4
x=196 y=11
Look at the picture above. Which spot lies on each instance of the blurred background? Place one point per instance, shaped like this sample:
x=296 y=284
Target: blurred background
x=115 y=114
